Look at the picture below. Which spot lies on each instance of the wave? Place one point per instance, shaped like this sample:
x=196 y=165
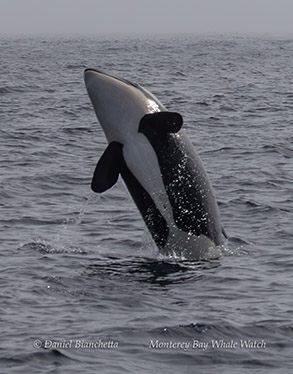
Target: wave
x=44 y=246
x=17 y=89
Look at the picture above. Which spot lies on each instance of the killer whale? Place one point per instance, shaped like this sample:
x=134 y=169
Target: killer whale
x=158 y=164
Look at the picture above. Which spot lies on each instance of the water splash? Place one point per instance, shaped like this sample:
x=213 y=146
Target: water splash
x=233 y=247
x=67 y=237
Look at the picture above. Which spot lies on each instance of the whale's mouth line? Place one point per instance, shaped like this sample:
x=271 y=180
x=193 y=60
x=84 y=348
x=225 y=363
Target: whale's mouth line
x=113 y=76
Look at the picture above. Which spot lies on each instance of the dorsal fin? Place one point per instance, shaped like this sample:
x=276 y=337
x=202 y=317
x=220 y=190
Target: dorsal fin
x=161 y=122
x=108 y=168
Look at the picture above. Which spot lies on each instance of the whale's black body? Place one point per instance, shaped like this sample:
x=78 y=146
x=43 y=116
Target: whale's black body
x=160 y=168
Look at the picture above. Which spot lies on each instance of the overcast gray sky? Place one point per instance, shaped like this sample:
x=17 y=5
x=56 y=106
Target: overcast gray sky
x=146 y=16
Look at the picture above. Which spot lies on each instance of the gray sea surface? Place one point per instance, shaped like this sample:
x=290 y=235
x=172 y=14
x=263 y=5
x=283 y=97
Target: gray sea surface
x=83 y=288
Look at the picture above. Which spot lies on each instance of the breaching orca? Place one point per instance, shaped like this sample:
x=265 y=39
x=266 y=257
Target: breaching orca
x=158 y=164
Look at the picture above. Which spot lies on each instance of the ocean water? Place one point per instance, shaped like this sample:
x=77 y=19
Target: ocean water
x=83 y=288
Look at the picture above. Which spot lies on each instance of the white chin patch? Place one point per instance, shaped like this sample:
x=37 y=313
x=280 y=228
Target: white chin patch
x=142 y=161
